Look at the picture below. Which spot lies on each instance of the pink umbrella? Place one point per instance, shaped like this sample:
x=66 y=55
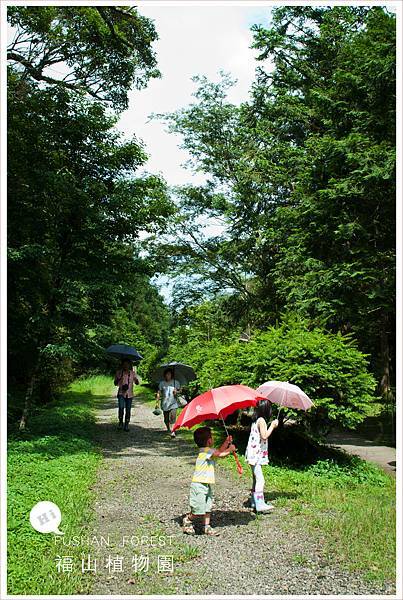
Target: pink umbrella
x=285 y=394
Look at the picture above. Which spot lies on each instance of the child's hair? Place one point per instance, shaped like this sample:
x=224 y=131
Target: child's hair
x=262 y=409
x=201 y=436
x=168 y=371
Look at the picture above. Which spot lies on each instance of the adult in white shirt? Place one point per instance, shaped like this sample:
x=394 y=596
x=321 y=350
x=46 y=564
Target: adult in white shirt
x=168 y=389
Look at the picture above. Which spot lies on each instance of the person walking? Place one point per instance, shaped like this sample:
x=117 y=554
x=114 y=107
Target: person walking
x=166 y=398
x=125 y=378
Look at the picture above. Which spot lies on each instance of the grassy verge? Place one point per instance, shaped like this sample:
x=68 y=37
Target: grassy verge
x=348 y=503
x=55 y=459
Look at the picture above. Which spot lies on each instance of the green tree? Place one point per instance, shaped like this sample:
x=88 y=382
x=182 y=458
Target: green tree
x=335 y=240
x=75 y=212
x=76 y=206
x=100 y=51
x=328 y=367
x=142 y=320
x=302 y=177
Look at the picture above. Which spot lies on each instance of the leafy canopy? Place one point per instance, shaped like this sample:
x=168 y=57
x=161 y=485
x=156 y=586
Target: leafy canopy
x=101 y=51
x=301 y=179
x=328 y=367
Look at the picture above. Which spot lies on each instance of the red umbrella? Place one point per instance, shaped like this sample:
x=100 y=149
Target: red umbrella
x=217 y=403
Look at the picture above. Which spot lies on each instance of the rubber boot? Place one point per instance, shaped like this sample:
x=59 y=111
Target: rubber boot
x=260 y=504
x=126 y=427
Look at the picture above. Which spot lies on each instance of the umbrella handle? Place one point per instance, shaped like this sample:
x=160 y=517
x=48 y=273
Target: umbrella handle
x=223 y=422
x=239 y=467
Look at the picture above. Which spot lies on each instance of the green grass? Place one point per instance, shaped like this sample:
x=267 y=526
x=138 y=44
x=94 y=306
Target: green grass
x=348 y=503
x=55 y=459
x=351 y=508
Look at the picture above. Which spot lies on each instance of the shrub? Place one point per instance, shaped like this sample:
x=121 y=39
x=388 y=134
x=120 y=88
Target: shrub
x=328 y=367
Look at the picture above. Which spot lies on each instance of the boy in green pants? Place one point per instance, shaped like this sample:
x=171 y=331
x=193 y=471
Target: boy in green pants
x=201 y=488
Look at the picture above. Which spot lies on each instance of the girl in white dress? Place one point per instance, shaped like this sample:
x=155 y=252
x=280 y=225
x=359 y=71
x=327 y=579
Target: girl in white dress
x=256 y=452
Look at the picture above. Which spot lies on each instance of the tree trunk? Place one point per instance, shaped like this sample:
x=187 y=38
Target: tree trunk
x=28 y=402
x=384 y=384
x=384 y=387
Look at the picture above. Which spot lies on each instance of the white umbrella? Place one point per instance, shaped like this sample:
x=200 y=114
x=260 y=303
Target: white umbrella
x=285 y=394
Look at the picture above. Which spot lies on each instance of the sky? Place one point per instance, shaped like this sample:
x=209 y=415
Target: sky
x=198 y=40
x=193 y=40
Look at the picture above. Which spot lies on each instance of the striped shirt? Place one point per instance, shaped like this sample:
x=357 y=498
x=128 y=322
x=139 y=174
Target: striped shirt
x=204 y=470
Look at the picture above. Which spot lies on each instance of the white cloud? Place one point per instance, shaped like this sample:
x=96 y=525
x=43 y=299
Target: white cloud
x=193 y=40
x=198 y=40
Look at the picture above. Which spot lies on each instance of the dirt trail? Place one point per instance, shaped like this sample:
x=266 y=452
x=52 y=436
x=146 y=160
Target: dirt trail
x=142 y=491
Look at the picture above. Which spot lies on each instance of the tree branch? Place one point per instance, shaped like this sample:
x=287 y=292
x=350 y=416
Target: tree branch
x=112 y=29
x=37 y=74
x=226 y=274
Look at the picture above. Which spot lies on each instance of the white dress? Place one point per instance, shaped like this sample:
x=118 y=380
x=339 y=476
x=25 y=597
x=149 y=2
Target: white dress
x=256 y=450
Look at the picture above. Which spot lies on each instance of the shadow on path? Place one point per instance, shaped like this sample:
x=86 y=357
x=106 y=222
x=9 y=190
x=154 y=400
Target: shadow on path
x=139 y=440
x=142 y=490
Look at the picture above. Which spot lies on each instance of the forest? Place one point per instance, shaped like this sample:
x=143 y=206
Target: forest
x=282 y=263
x=299 y=283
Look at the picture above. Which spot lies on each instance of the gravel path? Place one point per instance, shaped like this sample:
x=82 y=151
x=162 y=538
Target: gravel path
x=142 y=493
x=353 y=443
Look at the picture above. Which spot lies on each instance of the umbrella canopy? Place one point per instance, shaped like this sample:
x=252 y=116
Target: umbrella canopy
x=182 y=373
x=217 y=403
x=122 y=351
x=285 y=394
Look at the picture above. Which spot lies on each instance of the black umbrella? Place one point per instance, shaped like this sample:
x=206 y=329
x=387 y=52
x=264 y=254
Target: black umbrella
x=182 y=373
x=124 y=352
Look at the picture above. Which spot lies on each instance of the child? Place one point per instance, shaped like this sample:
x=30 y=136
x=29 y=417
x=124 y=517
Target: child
x=201 y=488
x=256 y=452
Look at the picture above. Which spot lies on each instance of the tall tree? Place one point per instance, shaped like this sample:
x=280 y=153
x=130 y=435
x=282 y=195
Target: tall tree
x=303 y=174
x=76 y=206
x=75 y=212
x=335 y=235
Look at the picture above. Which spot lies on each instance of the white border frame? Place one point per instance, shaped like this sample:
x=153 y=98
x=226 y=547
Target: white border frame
x=398 y=7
